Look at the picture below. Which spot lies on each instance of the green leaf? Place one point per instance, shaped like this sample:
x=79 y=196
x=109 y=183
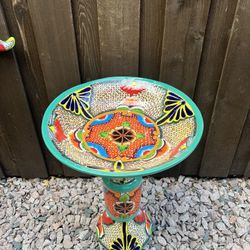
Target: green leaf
x=79 y=135
x=137 y=110
x=124 y=198
x=126 y=124
x=104 y=134
x=122 y=147
x=140 y=136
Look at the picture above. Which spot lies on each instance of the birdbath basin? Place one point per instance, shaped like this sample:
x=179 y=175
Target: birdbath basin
x=122 y=128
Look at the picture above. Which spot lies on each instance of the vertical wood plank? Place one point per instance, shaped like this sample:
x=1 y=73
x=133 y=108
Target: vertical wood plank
x=7 y=156
x=242 y=155
x=86 y=26
x=247 y=170
x=232 y=101
x=20 y=151
x=1 y=172
x=220 y=21
x=151 y=34
x=119 y=36
x=20 y=26
x=55 y=37
x=185 y=23
x=184 y=29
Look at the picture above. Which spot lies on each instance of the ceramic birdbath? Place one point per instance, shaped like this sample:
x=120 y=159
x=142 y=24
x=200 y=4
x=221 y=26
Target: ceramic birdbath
x=122 y=128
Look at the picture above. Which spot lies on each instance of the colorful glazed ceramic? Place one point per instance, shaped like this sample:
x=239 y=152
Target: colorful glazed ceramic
x=7 y=45
x=122 y=128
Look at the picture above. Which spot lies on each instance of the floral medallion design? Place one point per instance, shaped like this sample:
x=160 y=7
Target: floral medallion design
x=120 y=135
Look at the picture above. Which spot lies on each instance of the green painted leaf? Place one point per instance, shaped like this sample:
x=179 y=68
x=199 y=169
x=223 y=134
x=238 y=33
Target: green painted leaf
x=122 y=108
x=124 y=198
x=137 y=110
x=79 y=135
x=140 y=136
x=126 y=124
x=104 y=134
x=122 y=147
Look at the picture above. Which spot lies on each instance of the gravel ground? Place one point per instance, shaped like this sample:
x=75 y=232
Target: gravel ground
x=188 y=213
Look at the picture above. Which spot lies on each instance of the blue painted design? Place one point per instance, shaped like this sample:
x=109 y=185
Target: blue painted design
x=142 y=120
x=78 y=102
x=100 y=149
x=140 y=152
x=99 y=121
x=175 y=109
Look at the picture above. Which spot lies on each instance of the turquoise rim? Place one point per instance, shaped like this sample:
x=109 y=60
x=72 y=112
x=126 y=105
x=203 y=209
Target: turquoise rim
x=122 y=188
x=96 y=172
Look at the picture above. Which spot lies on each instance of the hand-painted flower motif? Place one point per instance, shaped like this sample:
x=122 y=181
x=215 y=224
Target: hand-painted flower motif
x=121 y=135
x=128 y=242
x=175 y=109
x=78 y=102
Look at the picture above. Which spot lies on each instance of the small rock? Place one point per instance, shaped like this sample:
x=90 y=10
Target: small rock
x=240 y=231
x=246 y=246
x=172 y=230
x=67 y=243
x=214 y=196
x=182 y=209
x=18 y=238
x=193 y=236
x=221 y=226
x=35 y=195
x=162 y=241
x=46 y=243
x=17 y=245
x=59 y=236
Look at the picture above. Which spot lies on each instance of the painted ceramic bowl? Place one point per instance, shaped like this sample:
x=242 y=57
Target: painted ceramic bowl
x=122 y=127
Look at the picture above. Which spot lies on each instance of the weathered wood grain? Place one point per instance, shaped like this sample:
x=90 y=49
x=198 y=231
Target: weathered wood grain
x=86 y=26
x=184 y=29
x=151 y=35
x=185 y=23
x=242 y=155
x=232 y=100
x=220 y=21
x=247 y=170
x=1 y=172
x=20 y=26
x=20 y=151
x=119 y=36
x=55 y=37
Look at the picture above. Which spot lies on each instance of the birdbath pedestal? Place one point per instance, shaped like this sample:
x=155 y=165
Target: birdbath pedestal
x=121 y=129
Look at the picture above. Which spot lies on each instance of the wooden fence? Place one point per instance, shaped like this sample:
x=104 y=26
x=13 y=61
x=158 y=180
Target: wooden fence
x=199 y=46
